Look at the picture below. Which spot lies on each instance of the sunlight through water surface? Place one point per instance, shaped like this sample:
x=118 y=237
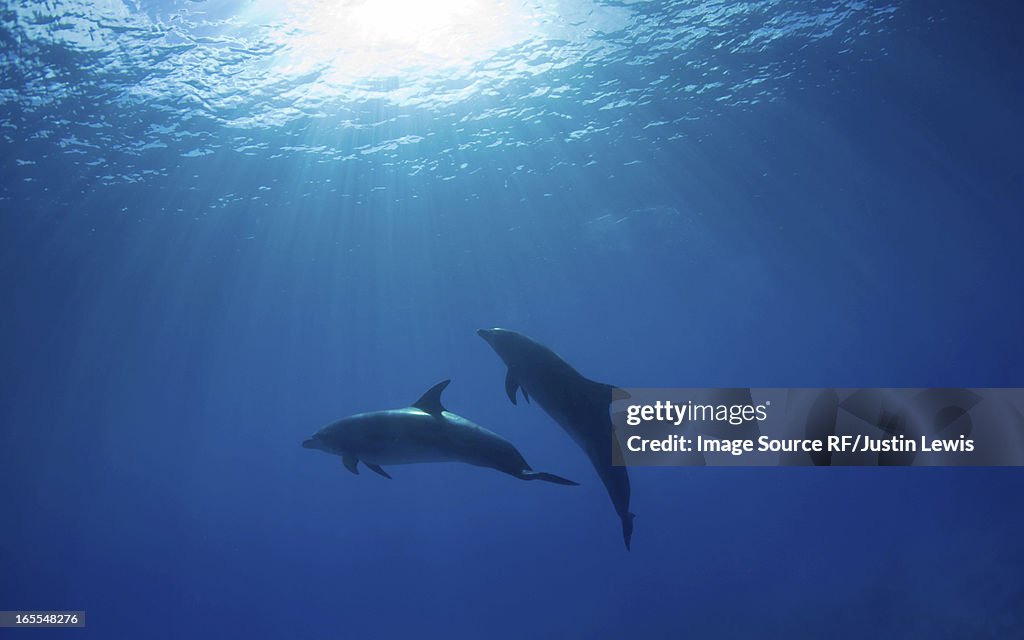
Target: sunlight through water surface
x=111 y=83
x=351 y=40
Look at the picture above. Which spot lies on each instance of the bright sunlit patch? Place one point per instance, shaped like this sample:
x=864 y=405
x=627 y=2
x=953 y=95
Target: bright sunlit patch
x=406 y=22
x=348 y=40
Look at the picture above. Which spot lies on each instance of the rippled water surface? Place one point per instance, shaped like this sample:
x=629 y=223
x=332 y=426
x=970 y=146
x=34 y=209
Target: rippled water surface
x=362 y=81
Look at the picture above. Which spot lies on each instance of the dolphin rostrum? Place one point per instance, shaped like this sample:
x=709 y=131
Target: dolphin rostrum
x=424 y=432
x=579 y=405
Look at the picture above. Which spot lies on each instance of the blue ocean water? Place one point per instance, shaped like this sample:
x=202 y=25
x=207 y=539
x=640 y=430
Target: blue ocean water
x=226 y=224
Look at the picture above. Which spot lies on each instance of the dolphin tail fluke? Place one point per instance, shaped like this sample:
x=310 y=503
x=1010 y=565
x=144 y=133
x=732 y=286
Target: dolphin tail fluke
x=627 y=528
x=547 y=477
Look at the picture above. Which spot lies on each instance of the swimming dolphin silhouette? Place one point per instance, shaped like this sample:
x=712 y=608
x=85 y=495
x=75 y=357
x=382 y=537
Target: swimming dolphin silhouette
x=579 y=405
x=424 y=432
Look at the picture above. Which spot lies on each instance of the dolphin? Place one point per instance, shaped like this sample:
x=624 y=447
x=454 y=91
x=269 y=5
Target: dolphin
x=423 y=432
x=578 y=405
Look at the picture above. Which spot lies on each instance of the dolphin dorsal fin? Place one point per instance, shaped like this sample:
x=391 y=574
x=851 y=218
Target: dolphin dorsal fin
x=430 y=401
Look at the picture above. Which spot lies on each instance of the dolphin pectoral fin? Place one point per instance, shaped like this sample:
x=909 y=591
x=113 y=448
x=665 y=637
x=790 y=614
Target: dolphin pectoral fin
x=527 y=474
x=511 y=386
x=376 y=469
x=430 y=402
x=351 y=463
